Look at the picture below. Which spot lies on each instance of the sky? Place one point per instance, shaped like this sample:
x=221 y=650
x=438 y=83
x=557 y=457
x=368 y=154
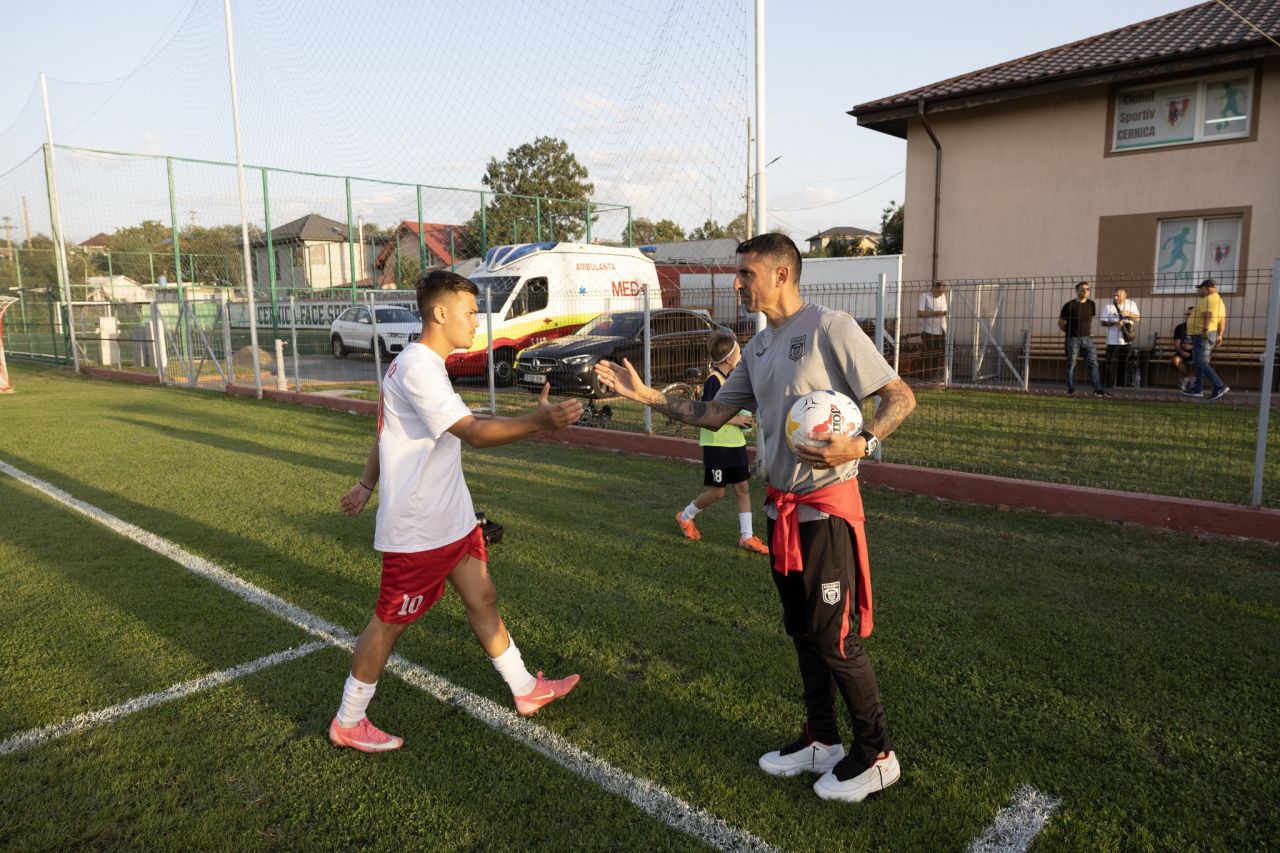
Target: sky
x=821 y=59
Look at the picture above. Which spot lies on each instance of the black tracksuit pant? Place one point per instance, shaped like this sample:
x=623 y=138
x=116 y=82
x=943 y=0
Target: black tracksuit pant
x=820 y=614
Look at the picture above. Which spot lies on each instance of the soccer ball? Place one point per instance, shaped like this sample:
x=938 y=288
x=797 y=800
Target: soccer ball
x=819 y=413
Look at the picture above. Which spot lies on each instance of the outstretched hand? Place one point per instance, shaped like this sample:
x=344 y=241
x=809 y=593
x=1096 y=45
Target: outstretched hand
x=552 y=416
x=833 y=450
x=354 y=500
x=622 y=379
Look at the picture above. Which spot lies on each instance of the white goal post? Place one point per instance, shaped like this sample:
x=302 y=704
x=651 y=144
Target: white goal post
x=5 y=387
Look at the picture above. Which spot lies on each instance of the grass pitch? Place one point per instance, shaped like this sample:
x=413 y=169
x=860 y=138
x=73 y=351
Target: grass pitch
x=1130 y=673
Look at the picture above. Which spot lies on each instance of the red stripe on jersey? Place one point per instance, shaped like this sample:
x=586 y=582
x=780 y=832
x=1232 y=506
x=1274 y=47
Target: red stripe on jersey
x=844 y=623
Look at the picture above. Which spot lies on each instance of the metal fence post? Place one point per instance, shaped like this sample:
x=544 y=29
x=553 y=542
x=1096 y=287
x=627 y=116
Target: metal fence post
x=422 y=243
x=1268 y=378
x=293 y=328
x=488 y=326
x=1026 y=349
x=351 y=243
x=881 y=287
x=375 y=344
x=226 y=336
x=648 y=359
x=184 y=336
x=271 y=257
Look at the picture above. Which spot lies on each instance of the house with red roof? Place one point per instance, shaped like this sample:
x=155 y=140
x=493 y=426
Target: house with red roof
x=439 y=247
x=1151 y=151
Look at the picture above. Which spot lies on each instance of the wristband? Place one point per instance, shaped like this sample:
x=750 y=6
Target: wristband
x=367 y=488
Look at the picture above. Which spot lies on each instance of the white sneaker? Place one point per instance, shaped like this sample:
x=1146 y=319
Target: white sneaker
x=855 y=789
x=800 y=756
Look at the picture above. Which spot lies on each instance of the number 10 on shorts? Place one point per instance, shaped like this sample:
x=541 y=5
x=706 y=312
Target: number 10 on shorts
x=410 y=605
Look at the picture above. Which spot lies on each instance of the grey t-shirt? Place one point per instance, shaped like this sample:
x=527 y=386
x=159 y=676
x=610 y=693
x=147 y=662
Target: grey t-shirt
x=816 y=349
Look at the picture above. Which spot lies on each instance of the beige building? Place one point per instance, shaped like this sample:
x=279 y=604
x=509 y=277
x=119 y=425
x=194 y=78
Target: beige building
x=1150 y=152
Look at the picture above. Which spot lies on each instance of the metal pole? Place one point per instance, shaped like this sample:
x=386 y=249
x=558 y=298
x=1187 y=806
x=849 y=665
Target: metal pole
x=244 y=205
x=1026 y=351
x=55 y=217
x=271 y=257
x=762 y=209
x=351 y=243
x=184 y=328
x=293 y=327
x=422 y=241
x=484 y=227
x=648 y=365
x=588 y=221
x=375 y=344
x=537 y=214
x=226 y=335
x=631 y=237
x=488 y=326
x=1268 y=377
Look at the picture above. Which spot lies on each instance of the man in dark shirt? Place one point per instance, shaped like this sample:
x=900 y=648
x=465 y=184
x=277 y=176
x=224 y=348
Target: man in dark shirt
x=1182 y=352
x=1076 y=321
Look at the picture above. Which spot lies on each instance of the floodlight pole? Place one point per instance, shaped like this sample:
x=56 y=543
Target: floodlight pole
x=55 y=216
x=761 y=207
x=244 y=204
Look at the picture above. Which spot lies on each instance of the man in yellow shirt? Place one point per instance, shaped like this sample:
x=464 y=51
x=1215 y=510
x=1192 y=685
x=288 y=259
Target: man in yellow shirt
x=1207 y=327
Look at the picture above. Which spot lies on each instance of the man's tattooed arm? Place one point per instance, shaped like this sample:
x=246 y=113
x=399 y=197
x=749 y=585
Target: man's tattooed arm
x=896 y=402
x=700 y=413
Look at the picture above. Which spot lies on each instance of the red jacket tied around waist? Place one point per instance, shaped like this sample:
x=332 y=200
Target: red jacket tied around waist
x=842 y=500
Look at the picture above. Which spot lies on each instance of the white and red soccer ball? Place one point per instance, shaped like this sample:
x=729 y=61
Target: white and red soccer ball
x=822 y=413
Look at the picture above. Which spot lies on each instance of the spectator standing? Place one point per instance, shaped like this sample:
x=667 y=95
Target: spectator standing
x=1207 y=326
x=1076 y=322
x=1119 y=318
x=932 y=308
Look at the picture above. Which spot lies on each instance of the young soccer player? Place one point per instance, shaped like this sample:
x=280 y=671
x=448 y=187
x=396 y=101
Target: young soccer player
x=426 y=527
x=724 y=452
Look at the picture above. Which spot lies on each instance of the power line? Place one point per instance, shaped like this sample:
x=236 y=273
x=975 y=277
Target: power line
x=846 y=198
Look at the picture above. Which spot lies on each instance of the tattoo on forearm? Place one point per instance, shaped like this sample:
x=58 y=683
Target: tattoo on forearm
x=893 y=410
x=694 y=412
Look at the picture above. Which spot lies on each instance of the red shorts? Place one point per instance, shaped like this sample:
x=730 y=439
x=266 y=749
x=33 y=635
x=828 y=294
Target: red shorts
x=412 y=582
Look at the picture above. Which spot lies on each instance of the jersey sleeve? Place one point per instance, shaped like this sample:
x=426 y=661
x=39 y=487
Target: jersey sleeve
x=854 y=355
x=434 y=400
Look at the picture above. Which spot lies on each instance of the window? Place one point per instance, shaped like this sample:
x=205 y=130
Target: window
x=1183 y=112
x=532 y=297
x=318 y=256
x=1192 y=249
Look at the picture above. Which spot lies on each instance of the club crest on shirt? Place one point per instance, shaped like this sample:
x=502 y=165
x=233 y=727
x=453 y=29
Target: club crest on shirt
x=797 y=348
x=831 y=592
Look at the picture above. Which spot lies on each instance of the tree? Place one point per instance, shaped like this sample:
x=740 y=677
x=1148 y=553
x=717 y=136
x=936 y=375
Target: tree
x=546 y=169
x=662 y=231
x=712 y=230
x=891 y=221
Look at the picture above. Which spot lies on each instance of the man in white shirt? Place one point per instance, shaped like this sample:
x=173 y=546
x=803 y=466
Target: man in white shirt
x=426 y=527
x=1119 y=314
x=932 y=308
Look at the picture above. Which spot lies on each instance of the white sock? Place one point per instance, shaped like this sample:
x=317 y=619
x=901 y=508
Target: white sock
x=744 y=524
x=356 y=696
x=690 y=511
x=511 y=667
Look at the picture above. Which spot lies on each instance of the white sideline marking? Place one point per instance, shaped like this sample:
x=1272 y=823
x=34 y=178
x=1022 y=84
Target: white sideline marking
x=91 y=719
x=645 y=795
x=1016 y=824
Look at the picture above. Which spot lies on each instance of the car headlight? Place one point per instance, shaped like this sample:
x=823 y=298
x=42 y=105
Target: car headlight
x=578 y=359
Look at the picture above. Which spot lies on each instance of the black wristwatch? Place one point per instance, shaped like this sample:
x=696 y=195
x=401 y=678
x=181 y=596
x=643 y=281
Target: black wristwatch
x=872 y=441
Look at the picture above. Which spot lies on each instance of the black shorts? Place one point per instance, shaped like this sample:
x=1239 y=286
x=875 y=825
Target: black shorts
x=724 y=466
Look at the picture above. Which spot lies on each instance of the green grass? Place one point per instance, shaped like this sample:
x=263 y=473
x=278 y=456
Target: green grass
x=1131 y=673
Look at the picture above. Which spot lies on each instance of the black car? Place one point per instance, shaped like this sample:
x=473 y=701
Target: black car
x=678 y=338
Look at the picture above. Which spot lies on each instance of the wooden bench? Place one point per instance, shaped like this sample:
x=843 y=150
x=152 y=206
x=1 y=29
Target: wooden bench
x=1048 y=354
x=1238 y=360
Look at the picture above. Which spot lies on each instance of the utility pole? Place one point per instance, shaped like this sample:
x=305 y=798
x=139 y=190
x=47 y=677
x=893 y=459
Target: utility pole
x=26 y=223
x=750 y=231
x=8 y=241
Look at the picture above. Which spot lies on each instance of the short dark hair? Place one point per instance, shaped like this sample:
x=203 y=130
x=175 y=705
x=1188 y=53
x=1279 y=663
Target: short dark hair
x=1208 y=282
x=777 y=247
x=719 y=345
x=435 y=284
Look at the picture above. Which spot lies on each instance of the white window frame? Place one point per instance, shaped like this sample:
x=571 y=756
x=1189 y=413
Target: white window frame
x=1202 y=85
x=1185 y=282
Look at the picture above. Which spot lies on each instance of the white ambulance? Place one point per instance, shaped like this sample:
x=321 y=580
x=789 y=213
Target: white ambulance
x=542 y=291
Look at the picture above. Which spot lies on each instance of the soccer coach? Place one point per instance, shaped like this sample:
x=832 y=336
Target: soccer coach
x=816 y=534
